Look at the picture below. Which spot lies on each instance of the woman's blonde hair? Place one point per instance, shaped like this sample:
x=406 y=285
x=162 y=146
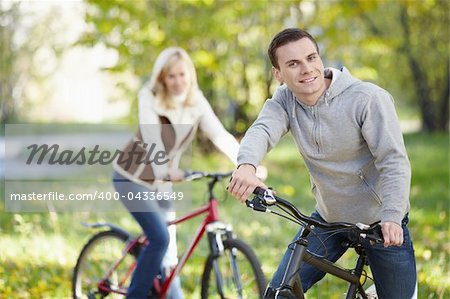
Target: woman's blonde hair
x=166 y=59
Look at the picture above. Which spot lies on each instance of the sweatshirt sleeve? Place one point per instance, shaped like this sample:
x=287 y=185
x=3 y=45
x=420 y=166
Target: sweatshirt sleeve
x=219 y=136
x=381 y=130
x=151 y=129
x=272 y=123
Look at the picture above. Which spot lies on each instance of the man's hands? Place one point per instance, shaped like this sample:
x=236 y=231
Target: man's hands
x=392 y=234
x=244 y=181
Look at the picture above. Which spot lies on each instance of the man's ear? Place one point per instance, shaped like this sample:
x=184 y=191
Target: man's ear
x=277 y=74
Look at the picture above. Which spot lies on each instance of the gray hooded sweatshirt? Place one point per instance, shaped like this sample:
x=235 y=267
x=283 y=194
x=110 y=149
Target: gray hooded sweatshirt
x=352 y=145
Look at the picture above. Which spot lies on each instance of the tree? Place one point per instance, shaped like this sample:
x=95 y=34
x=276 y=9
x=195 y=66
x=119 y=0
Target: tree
x=8 y=22
x=381 y=41
x=402 y=45
x=429 y=25
x=28 y=55
x=226 y=39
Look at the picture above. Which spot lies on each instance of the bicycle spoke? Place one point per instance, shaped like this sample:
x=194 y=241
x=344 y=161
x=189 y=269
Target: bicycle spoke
x=240 y=273
x=235 y=270
x=95 y=262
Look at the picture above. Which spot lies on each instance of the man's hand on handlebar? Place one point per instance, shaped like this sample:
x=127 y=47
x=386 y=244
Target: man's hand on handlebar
x=392 y=233
x=244 y=181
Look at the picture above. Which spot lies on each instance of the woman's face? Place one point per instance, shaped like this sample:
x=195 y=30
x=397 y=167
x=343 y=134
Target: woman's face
x=176 y=79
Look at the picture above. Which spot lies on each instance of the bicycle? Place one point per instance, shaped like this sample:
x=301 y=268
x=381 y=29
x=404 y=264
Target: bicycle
x=232 y=270
x=291 y=286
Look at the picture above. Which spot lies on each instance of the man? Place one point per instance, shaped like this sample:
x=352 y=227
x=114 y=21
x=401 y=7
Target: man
x=348 y=134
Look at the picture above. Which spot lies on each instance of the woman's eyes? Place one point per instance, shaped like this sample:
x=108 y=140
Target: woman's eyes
x=173 y=76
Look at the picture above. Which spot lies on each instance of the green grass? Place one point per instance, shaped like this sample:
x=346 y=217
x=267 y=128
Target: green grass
x=39 y=250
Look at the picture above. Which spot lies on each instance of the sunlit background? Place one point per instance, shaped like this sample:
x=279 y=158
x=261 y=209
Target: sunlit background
x=62 y=87
x=82 y=62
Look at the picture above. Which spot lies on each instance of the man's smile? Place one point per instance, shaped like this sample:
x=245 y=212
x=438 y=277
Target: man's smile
x=308 y=80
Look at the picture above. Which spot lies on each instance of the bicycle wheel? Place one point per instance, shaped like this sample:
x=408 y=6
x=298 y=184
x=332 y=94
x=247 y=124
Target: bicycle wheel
x=97 y=257
x=239 y=273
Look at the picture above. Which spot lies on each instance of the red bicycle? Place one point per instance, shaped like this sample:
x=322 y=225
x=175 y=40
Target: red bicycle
x=231 y=270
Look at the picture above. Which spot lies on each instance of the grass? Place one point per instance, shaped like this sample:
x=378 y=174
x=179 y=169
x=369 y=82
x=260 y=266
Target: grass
x=39 y=250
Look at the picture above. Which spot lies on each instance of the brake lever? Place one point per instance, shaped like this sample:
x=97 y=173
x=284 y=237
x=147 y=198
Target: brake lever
x=376 y=234
x=371 y=232
x=269 y=197
x=256 y=204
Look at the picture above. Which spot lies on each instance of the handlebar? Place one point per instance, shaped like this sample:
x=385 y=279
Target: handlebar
x=265 y=197
x=193 y=175
x=213 y=178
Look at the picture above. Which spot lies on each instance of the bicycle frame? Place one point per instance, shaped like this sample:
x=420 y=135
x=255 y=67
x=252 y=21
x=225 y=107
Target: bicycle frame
x=211 y=219
x=290 y=283
x=291 y=279
x=212 y=216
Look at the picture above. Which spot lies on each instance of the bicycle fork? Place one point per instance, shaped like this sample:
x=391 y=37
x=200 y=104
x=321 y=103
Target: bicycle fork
x=217 y=232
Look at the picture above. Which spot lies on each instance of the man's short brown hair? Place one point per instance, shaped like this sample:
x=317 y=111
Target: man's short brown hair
x=284 y=37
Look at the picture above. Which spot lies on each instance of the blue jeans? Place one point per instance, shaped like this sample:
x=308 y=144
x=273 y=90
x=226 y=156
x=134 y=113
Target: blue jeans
x=153 y=224
x=393 y=268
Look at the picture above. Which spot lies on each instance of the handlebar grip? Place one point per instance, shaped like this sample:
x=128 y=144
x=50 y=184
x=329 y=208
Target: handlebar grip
x=376 y=235
x=372 y=232
x=191 y=175
x=259 y=191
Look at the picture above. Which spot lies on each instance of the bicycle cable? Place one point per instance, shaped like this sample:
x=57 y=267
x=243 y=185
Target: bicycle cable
x=286 y=217
x=291 y=218
x=305 y=226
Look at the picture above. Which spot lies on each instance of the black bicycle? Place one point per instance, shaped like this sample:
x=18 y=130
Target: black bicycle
x=291 y=286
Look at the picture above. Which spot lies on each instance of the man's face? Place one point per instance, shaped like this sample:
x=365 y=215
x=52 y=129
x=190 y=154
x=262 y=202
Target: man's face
x=301 y=69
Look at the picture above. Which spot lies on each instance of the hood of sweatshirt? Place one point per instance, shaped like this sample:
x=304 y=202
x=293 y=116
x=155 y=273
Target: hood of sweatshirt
x=351 y=143
x=341 y=79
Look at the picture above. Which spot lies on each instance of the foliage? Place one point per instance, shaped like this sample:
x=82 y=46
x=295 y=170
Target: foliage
x=403 y=46
x=39 y=250
x=231 y=64
x=381 y=41
x=28 y=55
x=6 y=32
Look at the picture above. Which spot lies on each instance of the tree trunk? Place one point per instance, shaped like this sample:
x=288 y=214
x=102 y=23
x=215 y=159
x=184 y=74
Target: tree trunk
x=444 y=105
x=427 y=107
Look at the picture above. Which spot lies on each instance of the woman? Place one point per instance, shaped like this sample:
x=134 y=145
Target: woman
x=171 y=109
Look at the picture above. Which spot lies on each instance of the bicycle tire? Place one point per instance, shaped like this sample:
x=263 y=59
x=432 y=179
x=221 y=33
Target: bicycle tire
x=250 y=274
x=96 y=258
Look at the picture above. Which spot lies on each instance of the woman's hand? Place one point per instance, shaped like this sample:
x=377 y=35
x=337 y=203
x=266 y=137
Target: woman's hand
x=175 y=174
